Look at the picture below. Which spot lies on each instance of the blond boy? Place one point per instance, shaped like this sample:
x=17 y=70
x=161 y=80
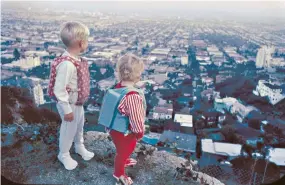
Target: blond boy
x=69 y=85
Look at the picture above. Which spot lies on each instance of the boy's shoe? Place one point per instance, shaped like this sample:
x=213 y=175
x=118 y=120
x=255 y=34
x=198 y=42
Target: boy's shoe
x=123 y=180
x=67 y=161
x=130 y=162
x=85 y=154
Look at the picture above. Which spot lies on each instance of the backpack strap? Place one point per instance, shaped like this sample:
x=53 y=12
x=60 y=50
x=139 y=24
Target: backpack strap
x=124 y=92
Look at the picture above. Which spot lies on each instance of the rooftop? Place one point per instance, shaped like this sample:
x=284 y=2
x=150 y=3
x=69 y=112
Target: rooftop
x=226 y=149
x=185 y=142
x=277 y=156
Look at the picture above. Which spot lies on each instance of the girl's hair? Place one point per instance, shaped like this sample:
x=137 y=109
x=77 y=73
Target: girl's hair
x=129 y=67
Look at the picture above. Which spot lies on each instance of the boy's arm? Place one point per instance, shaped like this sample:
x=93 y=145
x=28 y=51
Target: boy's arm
x=64 y=73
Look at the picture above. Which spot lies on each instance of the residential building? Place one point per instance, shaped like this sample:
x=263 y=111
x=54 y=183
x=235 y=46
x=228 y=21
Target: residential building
x=104 y=54
x=36 y=89
x=162 y=112
x=184 y=60
x=275 y=93
x=24 y=64
x=184 y=120
x=233 y=106
x=219 y=148
x=264 y=56
x=158 y=78
x=161 y=53
x=277 y=156
x=210 y=94
x=36 y=53
x=212 y=152
x=106 y=83
x=199 y=44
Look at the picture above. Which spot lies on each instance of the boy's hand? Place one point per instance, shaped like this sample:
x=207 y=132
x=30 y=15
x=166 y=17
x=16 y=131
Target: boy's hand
x=69 y=117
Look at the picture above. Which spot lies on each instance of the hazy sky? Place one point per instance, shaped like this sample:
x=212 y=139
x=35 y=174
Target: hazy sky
x=253 y=9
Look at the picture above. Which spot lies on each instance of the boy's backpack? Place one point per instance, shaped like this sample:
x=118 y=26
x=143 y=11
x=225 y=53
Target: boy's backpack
x=110 y=116
x=83 y=78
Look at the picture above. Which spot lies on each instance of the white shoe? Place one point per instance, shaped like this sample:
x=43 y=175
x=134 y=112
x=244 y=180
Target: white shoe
x=67 y=161
x=85 y=154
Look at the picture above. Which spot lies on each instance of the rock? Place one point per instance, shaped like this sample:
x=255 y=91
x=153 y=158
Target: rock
x=27 y=147
x=153 y=167
x=9 y=136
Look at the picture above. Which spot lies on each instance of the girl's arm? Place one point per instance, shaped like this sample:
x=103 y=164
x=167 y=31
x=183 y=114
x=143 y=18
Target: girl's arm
x=132 y=106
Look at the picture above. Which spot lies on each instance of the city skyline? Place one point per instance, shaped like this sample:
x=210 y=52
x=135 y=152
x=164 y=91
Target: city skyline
x=242 y=11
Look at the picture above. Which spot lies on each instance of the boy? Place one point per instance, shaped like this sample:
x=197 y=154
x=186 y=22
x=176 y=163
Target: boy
x=123 y=113
x=69 y=85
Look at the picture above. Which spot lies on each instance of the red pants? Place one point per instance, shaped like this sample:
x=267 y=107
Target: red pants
x=125 y=145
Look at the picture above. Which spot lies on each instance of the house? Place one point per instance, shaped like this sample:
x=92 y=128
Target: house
x=207 y=81
x=160 y=53
x=233 y=106
x=212 y=152
x=106 y=83
x=162 y=113
x=213 y=118
x=275 y=93
x=222 y=149
x=210 y=119
x=184 y=119
x=210 y=94
x=158 y=78
x=277 y=156
x=185 y=142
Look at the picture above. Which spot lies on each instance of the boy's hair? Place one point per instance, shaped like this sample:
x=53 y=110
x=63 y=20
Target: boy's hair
x=129 y=67
x=72 y=31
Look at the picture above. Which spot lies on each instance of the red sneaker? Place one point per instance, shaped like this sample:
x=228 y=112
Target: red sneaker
x=123 y=180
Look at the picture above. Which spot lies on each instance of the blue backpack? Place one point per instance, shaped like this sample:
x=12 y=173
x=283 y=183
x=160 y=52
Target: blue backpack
x=110 y=116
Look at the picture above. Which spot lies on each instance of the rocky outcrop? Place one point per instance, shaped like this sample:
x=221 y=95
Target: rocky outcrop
x=29 y=153
x=37 y=164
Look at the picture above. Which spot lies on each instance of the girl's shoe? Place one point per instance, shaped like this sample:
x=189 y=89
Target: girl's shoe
x=130 y=162
x=123 y=180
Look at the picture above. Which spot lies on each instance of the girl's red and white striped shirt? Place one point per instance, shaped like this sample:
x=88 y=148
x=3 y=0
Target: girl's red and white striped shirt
x=131 y=105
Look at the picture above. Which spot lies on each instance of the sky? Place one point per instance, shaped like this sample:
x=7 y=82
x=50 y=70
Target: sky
x=202 y=9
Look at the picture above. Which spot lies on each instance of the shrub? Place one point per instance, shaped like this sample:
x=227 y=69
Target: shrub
x=254 y=123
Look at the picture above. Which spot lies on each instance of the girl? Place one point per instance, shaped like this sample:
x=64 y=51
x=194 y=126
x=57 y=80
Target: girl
x=126 y=126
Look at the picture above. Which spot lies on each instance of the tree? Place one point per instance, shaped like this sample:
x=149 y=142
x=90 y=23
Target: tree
x=230 y=135
x=16 y=54
x=42 y=71
x=248 y=149
x=254 y=123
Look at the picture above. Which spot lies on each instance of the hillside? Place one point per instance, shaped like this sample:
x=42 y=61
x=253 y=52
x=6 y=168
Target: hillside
x=29 y=149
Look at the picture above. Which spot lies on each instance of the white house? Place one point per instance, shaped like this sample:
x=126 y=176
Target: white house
x=272 y=91
x=277 y=156
x=184 y=60
x=218 y=148
x=36 y=90
x=185 y=120
x=234 y=107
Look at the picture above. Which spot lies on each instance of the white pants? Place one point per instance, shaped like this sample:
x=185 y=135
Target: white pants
x=71 y=131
